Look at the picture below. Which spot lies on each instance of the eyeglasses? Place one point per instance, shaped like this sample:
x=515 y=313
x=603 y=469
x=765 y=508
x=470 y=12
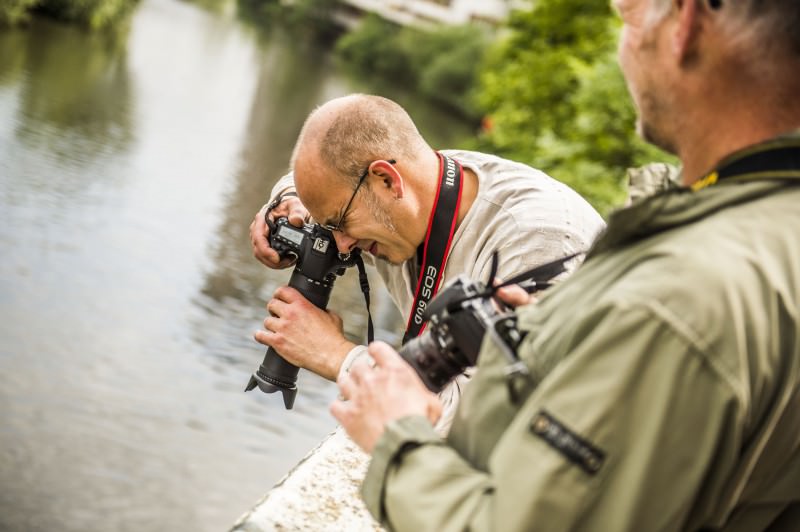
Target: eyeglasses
x=338 y=225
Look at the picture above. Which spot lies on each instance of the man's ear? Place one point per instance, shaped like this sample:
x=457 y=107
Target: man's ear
x=687 y=29
x=390 y=179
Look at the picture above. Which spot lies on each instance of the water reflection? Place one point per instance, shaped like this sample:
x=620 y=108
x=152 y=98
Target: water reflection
x=235 y=290
x=74 y=106
x=13 y=58
x=130 y=169
x=75 y=85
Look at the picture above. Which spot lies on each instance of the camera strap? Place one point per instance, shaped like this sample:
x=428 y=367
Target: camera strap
x=533 y=280
x=504 y=329
x=438 y=238
x=774 y=159
x=363 y=281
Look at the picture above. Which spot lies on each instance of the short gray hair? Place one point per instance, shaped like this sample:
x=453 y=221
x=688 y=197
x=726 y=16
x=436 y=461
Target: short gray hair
x=363 y=129
x=773 y=24
x=777 y=21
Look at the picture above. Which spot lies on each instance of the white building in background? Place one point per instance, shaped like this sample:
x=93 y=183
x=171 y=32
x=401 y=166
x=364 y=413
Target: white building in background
x=434 y=12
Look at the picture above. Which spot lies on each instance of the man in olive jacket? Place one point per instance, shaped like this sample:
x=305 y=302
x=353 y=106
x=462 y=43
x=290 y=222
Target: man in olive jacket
x=663 y=386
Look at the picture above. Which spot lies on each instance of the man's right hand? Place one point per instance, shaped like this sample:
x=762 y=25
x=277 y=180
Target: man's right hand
x=292 y=208
x=304 y=335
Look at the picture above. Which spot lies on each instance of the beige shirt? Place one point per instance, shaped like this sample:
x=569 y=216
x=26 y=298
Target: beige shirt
x=527 y=216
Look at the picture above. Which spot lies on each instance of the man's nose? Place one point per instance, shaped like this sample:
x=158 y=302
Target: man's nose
x=344 y=243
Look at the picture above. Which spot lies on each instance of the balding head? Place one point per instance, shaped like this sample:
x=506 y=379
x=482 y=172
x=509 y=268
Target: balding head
x=348 y=133
x=361 y=166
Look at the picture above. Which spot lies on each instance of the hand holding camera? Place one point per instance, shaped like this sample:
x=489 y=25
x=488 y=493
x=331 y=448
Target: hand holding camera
x=287 y=326
x=373 y=396
x=288 y=206
x=317 y=264
x=458 y=318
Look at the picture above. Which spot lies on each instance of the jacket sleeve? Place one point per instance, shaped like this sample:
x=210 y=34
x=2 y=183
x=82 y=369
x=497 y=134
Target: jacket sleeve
x=634 y=393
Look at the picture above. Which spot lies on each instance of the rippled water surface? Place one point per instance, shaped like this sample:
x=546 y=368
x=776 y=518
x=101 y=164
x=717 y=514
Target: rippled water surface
x=130 y=167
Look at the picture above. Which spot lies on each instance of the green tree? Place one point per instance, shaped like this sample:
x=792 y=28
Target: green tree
x=555 y=99
x=93 y=14
x=312 y=19
x=442 y=66
x=373 y=48
x=14 y=12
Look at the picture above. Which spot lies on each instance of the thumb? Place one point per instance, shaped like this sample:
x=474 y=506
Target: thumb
x=513 y=295
x=298 y=214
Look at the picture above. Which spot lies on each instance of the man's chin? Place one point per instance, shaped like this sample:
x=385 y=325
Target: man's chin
x=653 y=135
x=383 y=258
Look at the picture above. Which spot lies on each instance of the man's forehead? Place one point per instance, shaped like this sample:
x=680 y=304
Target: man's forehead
x=310 y=175
x=318 y=193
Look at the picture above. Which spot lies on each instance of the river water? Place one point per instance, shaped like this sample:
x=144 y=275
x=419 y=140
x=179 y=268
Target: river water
x=131 y=165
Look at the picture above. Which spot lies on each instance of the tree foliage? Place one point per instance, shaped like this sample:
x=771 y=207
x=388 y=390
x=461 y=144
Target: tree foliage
x=13 y=12
x=93 y=14
x=441 y=65
x=549 y=88
x=312 y=18
x=555 y=99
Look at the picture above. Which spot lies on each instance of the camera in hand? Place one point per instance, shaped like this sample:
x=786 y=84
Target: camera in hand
x=458 y=317
x=317 y=265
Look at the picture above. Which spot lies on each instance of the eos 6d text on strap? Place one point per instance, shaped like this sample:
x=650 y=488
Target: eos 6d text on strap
x=441 y=227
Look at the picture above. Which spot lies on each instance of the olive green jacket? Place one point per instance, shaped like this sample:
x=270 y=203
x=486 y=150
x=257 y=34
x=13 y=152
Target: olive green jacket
x=664 y=390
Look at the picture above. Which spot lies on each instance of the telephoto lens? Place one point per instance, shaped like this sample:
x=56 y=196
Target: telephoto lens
x=457 y=320
x=318 y=264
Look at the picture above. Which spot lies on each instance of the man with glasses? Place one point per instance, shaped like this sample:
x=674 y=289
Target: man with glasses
x=362 y=169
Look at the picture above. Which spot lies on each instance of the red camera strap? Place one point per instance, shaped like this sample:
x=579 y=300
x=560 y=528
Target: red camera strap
x=439 y=237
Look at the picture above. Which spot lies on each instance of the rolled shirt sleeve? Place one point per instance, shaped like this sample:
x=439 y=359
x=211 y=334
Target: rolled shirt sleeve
x=284 y=183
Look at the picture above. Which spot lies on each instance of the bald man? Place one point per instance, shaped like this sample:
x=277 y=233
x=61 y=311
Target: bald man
x=362 y=169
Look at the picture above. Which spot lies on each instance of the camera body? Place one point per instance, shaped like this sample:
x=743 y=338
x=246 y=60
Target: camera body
x=318 y=263
x=317 y=260
x=458 y=318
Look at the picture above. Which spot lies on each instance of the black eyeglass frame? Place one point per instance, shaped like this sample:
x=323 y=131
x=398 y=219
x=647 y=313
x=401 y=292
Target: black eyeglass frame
x=338 y=225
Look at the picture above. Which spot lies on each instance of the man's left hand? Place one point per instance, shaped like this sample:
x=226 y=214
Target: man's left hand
x=376 y=395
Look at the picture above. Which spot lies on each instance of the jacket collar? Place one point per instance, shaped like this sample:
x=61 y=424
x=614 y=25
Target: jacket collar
x=744 y=176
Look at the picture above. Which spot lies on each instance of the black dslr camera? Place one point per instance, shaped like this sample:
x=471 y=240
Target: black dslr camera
x=458 y=317
x=318 y=264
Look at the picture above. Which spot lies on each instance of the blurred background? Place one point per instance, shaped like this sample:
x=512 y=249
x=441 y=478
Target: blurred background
x=138 y=139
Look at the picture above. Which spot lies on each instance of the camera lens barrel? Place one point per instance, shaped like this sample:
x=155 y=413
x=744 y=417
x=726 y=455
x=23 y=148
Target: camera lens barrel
x=275 y=374
x=317 y=264
x=318 y=292
x=452 y=341
x=429 y=359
